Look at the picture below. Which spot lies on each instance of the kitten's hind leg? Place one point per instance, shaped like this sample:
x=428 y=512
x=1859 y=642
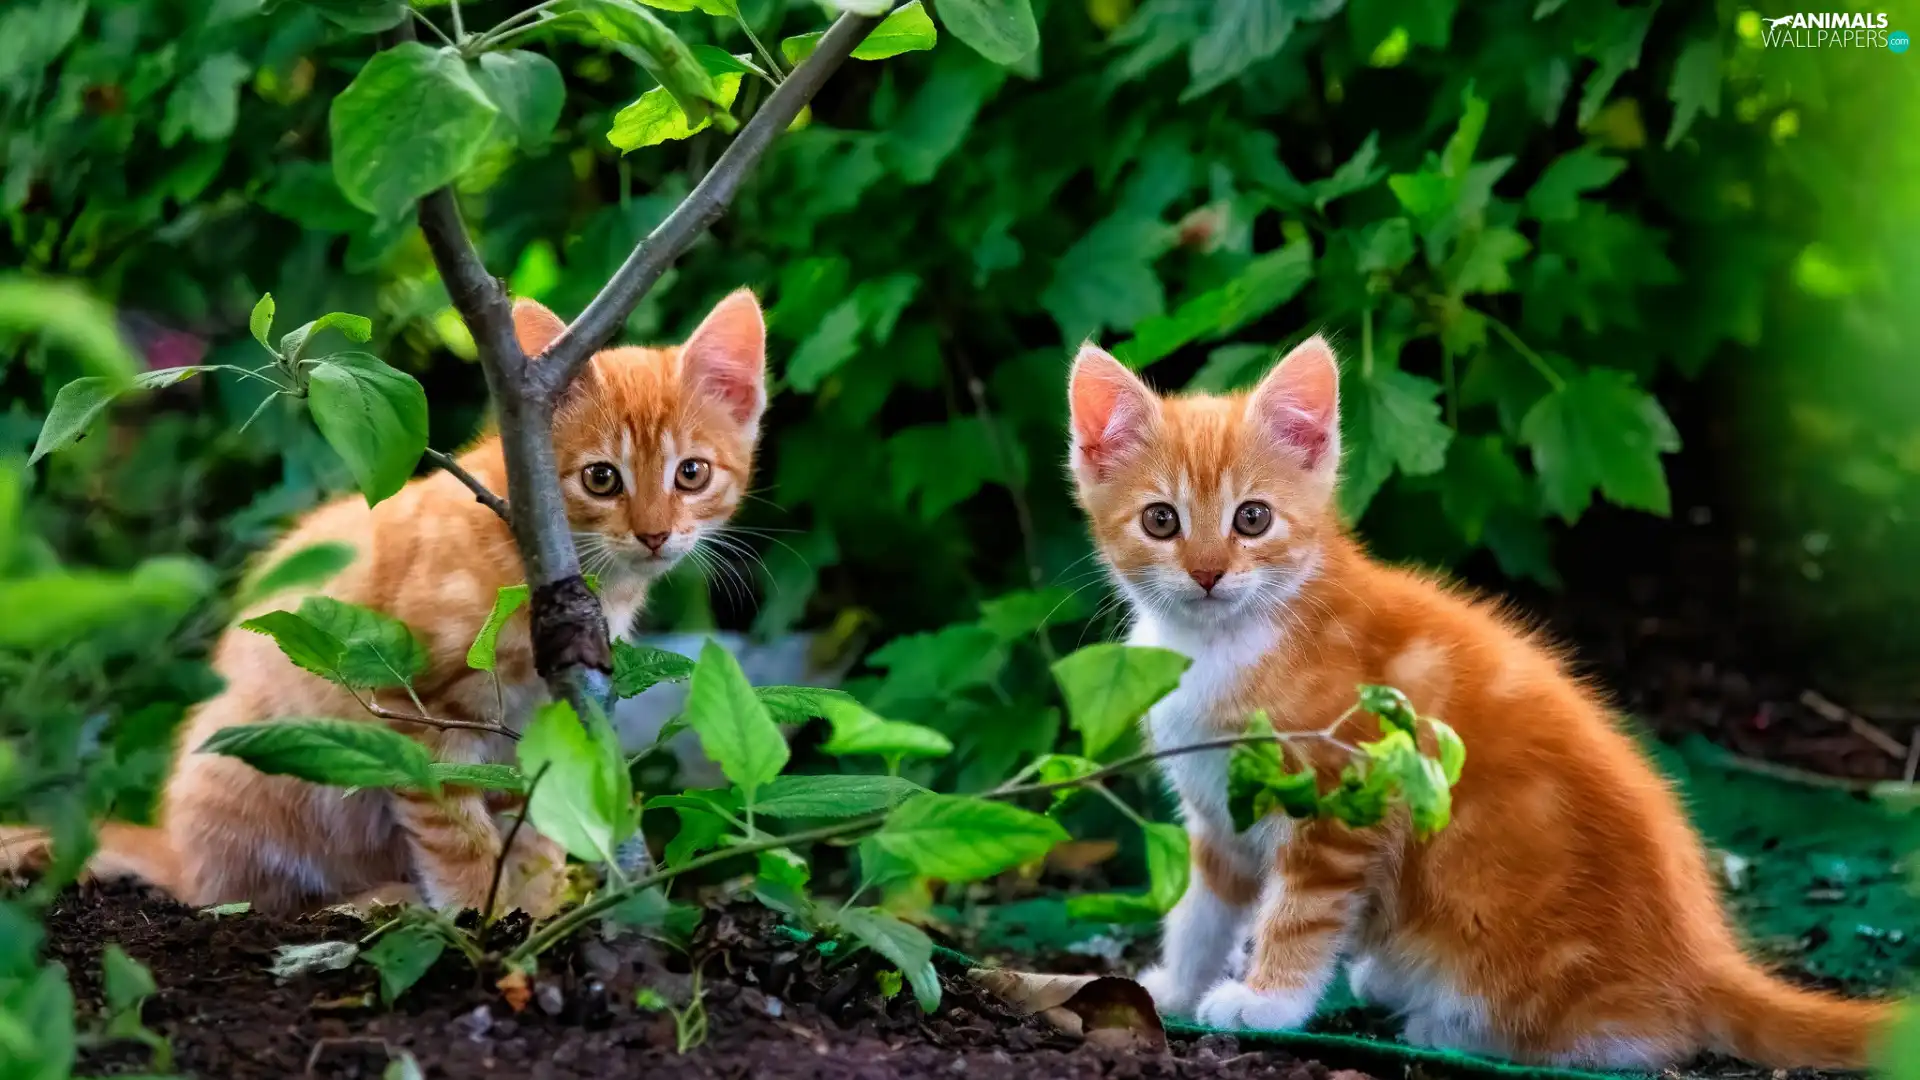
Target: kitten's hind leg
x=1202 y=930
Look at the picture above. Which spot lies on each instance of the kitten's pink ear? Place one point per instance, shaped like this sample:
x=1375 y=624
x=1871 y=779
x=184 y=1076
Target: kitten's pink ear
x=1298 y=405
x=726 y=358
x=1112 y=412
x=535 y=326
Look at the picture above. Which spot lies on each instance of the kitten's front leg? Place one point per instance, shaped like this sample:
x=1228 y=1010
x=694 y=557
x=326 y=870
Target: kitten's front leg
x=1203 y=928
x=454 y=844
x=1306 y=919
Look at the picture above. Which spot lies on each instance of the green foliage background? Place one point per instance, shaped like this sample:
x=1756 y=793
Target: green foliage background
x=1520 y=221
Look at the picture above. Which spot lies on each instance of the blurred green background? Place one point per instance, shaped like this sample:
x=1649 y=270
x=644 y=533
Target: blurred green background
x=1566 y=248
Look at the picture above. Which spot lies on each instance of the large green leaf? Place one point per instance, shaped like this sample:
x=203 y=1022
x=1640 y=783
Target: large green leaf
x=310 y=565
x=1107 y=279
x=356 y=328
x=582 y=794
x=1003 y=31
x=1169 y=863
x=339 y=753
x=402 y=956
x=1695 y=88
x=54 y=609
x=907 y=947
x=1555 y=195
x=960 y=838
x=375 y=649
x=832 y=796
x=527 y=89
x=1267 y=282
x=732 y=723
x=411 y=121
x=652 y=45
x=659 y=117
x=1239 y=34
x=798 y=704
x=205 y=104
x=1110 y=687
x=1599 y=430
x=907 y=29
x=64 y=315
x=374 y=416
x=858 y=731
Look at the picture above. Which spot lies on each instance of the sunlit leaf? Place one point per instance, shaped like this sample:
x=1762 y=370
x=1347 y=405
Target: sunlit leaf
x=960 y=838
x=1110 y=687
x=373 y=415
x=411 y=121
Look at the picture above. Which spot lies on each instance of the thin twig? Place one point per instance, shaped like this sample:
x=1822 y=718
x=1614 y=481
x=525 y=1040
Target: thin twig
x=506 y=848
x=1554 y=378
x=489 y=728
x=1913 y=757
x=1819 y=703
x=609 y=310
x=428 y=23
x=481 y=495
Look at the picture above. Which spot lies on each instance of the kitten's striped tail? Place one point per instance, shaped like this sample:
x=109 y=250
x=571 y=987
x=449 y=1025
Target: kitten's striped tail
x=1756 y=1017
x=126 y=851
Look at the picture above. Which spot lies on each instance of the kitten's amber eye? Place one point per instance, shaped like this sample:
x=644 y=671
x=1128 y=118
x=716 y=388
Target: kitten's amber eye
x=1253 y=518
x=601 y=479
x=694 y=474
x=1160 y=521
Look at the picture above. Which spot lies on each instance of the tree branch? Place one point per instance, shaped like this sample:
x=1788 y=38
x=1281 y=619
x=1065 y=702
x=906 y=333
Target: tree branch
x=708 y=200
x=476 y=294
x=480 y=493
x=385 y=713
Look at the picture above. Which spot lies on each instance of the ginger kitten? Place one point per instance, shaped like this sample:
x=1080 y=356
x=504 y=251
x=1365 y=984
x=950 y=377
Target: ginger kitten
x=655 y=446
x=1566 y=915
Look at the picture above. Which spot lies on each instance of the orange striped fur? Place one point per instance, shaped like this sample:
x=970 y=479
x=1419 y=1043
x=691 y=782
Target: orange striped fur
x=1566 y=916
x=434 y=558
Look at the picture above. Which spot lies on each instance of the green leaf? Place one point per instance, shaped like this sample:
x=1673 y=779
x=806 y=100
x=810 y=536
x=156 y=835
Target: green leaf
x=510 y=598
x=1384 y=246
x=1015 y=615
x=1003 y=31
x=1695 y=88
x=831 y=344
x=81 y=401
x=483 y=777
x=832 y=796
x=945 y=464
x=937 y=665
x=205 y=104
x=1239 y=34
x=907 y=947
x=1267 y=282
x=1599 y=430
x=657 y=117
x=908 y=29
x=310 y=565
x=1420 y=780
x=527 y=89
x=1481 y=478
x=63 y=314
x=957 y=838
x=651 y=912
x=402 y=956
x=125 y=981
x=1624 y=34
x=1259 y=784
x=1453 y=752
x=1169 y=864
x=357 y=328
x=361 y=16
x=376 y=650
x=1108 y=688
x=374 y=417
x=581 y=802
x=54 y=609
x=1106 y=279
x=1356 y=174
x=858 y=731
x=1479 y=264
x=337 y=753
x=261 y=321
x=636 y=668
x=798 y=704
x=732 y=723
x=1390 y=705
x=1389 y=419
x=652 y=45
x=1555 y=196
x=1121 y=908
x=411 y=121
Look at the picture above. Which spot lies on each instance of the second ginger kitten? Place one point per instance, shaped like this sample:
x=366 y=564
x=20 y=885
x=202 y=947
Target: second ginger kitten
x=1566 y=916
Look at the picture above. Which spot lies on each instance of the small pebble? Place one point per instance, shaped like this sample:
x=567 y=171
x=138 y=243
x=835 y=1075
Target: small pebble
x=551 y=1000
x=775 y=1007
x=476 y=1024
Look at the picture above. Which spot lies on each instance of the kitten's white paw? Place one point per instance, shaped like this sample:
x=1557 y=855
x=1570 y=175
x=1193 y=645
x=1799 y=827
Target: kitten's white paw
x=1234 y=1005
x=1168 y=995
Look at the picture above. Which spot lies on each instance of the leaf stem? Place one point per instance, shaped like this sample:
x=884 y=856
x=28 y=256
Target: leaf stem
x=506 y=846
x=481 y=494
x=774 y=70
x=489 y=39
x=1539 y=363
x=489 y=728
x=428 y=23
x=459 y=27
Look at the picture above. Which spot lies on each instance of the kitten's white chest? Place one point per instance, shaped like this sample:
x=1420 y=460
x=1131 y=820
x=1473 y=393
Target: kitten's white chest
x=1205 y=706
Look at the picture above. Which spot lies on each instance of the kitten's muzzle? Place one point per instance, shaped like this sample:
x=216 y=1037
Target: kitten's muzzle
x=654 y=541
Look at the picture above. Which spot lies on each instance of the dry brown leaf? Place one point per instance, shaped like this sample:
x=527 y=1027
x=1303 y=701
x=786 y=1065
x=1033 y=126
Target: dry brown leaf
x=1105 y=1008
x=1079 y=856
x=513 y=986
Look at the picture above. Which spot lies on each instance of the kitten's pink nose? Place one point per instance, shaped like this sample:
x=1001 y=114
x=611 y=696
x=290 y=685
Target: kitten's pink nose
x=654 y=541
x=1208 y=578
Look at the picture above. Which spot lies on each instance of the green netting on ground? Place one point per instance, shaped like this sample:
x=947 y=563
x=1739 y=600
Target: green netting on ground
x=1817 y=881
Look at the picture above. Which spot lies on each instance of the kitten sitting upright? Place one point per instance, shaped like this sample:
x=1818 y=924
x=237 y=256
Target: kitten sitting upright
x=654 y=445
x=1566 y=915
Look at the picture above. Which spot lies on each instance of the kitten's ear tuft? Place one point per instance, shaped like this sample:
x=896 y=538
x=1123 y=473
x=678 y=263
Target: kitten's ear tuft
x=726 y=357
x=1112 y=411
x=1298 y=404
x=535 y=326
